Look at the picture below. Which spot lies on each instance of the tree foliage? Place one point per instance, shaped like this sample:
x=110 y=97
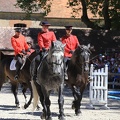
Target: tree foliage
x=30 y=6
x=107 y=10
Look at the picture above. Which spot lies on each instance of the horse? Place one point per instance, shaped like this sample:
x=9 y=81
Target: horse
x=50 y=77
x=78 y=72
x=24 y=78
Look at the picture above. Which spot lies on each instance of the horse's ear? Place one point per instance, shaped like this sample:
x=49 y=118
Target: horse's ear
x=80 y=46
x=88 y=45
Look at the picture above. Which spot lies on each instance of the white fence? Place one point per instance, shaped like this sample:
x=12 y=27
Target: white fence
x=98 y=86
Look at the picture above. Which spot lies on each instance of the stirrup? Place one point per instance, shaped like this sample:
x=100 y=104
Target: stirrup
x=16 y=77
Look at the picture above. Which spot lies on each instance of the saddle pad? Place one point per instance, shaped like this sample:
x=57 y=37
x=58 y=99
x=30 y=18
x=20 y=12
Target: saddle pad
x=12 y=64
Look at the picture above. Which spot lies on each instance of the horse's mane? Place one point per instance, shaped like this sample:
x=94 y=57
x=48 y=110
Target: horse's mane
x=75 y=55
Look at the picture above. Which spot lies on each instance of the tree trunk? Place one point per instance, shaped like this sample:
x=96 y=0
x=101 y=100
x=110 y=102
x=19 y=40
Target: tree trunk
x=85 y=18
x=106 y=15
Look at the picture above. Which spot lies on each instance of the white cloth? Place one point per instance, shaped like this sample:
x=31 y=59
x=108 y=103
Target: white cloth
x=12 y=64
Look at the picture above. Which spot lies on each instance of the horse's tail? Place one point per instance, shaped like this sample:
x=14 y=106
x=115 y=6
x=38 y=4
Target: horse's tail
x=35 y=95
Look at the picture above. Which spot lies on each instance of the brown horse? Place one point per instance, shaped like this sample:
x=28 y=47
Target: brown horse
x=78 y=70
x=24 y=78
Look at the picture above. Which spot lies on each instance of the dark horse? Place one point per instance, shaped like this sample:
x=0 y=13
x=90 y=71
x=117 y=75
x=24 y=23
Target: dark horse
x=24 y=78
x=78 y=70
x=50 y=77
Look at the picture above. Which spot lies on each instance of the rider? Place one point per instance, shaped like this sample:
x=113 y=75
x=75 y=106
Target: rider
x=45 y=37
x=20 y=47
x=72 y=43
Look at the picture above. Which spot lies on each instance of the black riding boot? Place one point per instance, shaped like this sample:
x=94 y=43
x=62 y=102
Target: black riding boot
x=17 y=71
x=18 y=66
x=37 y=62
x=35 y=71
x=66 y=62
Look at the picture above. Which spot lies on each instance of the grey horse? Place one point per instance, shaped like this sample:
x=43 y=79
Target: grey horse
x=50 y=78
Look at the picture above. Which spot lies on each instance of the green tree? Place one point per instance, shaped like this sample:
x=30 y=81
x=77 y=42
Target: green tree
x=30 y=6
x=107 y=10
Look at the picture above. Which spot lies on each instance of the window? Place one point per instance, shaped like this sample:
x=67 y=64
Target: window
x=20 y=25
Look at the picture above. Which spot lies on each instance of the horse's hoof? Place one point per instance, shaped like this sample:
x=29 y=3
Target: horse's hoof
x=49 y=118
x=17 y=105
x=78 y=112
x=25 y=106
x=61 y=117
x=73 y=106
x=42 y=116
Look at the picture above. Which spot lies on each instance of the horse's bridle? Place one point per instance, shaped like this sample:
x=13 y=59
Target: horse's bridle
x=85 y=62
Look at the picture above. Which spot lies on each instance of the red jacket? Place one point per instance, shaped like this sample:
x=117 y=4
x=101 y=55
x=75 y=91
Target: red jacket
x=45 y=39
x=19 y=44
x=71 y=44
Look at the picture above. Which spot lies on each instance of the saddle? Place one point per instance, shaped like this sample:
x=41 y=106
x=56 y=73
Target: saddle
x=13 y=64
x=14 y=61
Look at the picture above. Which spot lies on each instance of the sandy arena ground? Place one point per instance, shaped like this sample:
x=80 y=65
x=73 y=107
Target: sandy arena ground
x=8 y=111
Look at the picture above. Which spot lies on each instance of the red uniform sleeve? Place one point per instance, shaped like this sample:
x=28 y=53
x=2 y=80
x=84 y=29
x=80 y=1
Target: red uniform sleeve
x=64 y=42
x=15 y=46
x=53 y=37
x=40 y=41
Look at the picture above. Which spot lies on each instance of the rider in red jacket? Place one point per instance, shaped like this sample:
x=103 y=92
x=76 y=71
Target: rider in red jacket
x=44 y=41
x=72 y=43
x=45 y=38
x=20 y=47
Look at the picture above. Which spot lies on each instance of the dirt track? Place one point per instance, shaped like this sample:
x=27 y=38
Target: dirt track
x=8 y=111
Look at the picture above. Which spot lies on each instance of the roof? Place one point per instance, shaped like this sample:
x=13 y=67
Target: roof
x=9 y=6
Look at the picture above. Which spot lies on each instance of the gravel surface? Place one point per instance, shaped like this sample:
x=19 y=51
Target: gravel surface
x=8 y=111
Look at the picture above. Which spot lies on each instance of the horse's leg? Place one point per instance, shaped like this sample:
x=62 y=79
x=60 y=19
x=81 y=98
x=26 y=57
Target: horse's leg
x=1 y=84
x=24 y=91
x=14 y=89
x=42 y=100
x=61 y=103
x=77 y=99
x=31 y=96
x=46 y=103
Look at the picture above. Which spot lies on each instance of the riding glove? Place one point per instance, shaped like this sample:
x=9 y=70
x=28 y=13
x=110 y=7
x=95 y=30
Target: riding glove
x=71 y=51
x=44 y=49
x=23 y=51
